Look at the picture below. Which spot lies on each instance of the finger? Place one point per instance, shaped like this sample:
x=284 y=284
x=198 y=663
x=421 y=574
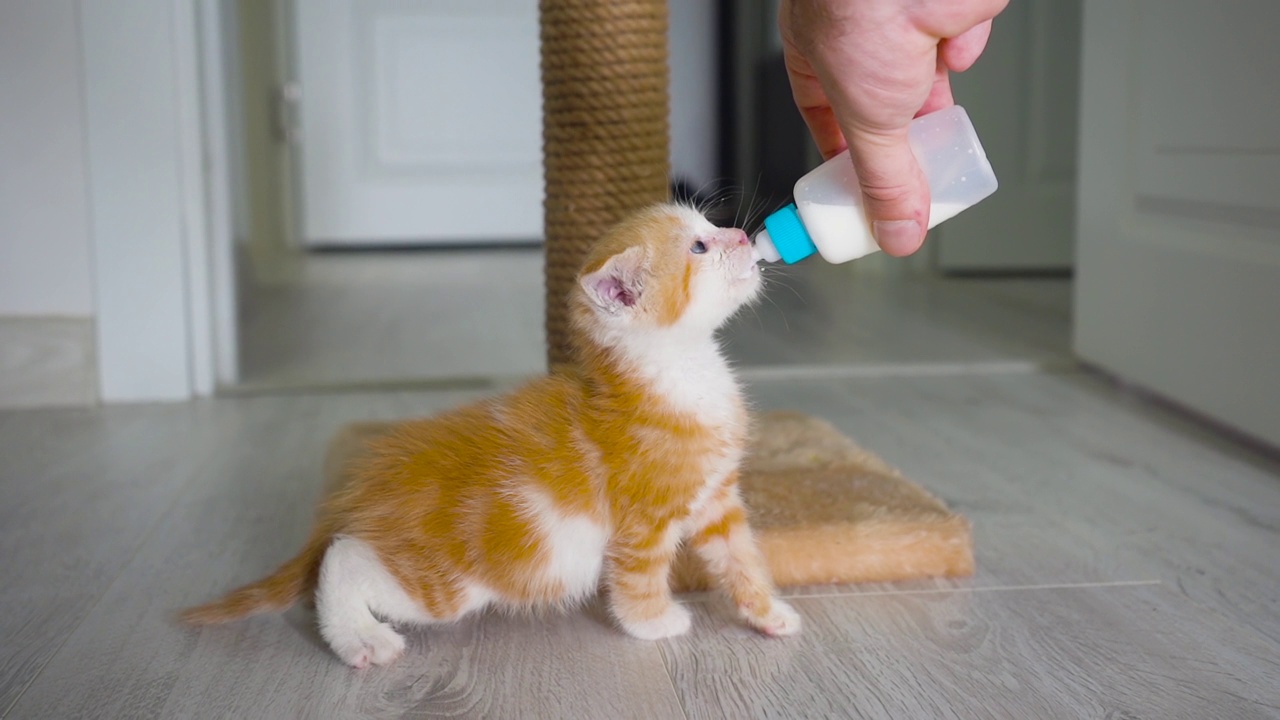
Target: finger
x=895 y=194
x=950 y=20
x=962 y=51
x=940 y=94
x=814 y=107
x=825 y=130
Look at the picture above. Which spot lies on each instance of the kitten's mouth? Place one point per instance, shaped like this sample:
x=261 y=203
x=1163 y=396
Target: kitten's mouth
x=747 y=262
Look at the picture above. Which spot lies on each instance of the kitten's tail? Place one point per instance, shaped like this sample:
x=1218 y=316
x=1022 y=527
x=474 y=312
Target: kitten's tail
x=274 y=593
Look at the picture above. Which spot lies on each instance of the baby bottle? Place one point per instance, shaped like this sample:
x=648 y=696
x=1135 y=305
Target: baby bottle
x=827 y=218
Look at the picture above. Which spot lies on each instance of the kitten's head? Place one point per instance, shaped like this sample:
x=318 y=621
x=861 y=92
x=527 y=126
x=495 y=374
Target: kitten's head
x=666 y=267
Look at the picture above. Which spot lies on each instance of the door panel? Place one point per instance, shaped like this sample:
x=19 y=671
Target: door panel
x=420 y=121
x=1210 y=125
x=1023 y=99
x=1178 y=273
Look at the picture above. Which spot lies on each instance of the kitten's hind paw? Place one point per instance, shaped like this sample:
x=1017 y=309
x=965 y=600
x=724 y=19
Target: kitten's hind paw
x=781 y=620
x=375 y=644
x=675 y=621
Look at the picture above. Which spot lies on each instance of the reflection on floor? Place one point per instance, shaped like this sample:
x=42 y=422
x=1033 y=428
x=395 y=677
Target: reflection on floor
x=379 y=317
x=391 y=317
x=819 y=314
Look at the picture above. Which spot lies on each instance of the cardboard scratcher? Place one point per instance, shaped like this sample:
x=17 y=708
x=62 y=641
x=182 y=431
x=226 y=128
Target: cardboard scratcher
x=824 y=510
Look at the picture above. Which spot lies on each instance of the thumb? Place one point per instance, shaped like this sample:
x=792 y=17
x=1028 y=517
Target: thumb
x=895 y=194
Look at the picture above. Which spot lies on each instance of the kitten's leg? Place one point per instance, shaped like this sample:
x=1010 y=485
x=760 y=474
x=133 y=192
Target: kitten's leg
x=727 y=547
x=353 y=584
x=639 y=586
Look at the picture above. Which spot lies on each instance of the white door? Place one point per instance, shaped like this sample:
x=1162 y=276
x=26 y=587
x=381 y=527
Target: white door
x=420 y=121
x=1179 y=219
x=1023 y=99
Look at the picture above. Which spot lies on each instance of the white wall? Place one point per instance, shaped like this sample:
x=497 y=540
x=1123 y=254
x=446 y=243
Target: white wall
x=147 y=199
x=694 y=88
x=44 y=216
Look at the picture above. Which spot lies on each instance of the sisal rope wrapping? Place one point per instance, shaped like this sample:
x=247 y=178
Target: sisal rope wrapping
x=604 y=129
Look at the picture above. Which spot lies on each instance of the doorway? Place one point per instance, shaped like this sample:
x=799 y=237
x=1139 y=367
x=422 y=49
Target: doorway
x=392 y=239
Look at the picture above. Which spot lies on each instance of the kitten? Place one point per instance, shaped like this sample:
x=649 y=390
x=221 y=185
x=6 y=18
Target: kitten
x=597 y=471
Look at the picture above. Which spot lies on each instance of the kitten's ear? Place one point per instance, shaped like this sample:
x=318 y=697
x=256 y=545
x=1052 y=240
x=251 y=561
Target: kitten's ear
x=619 y=283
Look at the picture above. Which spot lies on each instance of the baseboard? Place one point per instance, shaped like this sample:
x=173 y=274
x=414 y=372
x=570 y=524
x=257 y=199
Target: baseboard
x=47 y=362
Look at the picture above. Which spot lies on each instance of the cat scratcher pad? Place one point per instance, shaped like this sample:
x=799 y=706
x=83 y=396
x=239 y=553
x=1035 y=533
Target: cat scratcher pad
x=824 y=510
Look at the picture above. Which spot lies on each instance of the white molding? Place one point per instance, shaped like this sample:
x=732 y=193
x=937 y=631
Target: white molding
x=216 y=49
x=198 y=193
x=154 y=213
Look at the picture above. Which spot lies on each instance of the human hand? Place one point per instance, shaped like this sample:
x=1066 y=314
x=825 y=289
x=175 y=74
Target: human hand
x=861 y=70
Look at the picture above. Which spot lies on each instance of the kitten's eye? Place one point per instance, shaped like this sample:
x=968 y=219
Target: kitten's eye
x=698 y=247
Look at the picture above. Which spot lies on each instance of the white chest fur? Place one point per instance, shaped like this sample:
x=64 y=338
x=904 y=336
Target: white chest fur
x=693 y=378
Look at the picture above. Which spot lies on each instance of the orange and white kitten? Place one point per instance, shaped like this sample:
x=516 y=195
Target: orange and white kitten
x=599 y=471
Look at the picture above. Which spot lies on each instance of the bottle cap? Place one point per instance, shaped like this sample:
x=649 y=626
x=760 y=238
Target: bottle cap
x=784 y=237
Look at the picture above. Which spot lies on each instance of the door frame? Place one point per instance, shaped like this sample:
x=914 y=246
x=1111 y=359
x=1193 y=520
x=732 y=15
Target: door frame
x=161 y=216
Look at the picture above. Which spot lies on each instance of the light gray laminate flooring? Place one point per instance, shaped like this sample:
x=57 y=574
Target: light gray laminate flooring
x=1126 y=569
x=1127 y=557
x=379 y=317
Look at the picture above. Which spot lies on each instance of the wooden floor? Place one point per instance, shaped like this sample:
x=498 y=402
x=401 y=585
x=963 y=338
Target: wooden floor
x=1129 y=561
x=387 y=318
x=344 y=318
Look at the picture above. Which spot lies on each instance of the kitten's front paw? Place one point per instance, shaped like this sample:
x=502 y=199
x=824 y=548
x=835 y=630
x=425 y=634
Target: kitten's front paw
x=675 y=621
x=781 y=620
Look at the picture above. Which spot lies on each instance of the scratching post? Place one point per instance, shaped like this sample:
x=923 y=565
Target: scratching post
x=604 y=131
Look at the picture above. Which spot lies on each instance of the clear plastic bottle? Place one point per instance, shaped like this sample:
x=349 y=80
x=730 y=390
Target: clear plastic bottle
x=827 y=217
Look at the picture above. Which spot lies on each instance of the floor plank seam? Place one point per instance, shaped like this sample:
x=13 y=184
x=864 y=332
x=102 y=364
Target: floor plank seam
x=749 y=373
x=832 y=371
x=971 y=590
x=671 y=683
x=460 y=383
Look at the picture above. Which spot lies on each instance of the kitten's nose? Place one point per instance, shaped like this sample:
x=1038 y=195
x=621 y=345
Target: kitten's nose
x=734 y=236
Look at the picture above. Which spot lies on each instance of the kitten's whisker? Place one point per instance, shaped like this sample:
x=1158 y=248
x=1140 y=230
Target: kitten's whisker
x=708 y=200
x=756 y=216
x=792 y=290
x=785 y=325
x=720 y=197
x=755 y=193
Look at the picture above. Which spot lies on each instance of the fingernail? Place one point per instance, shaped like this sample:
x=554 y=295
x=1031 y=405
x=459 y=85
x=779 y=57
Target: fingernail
x=897 y=237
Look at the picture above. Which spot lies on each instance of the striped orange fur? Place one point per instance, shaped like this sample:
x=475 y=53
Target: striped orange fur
x=592 y=475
